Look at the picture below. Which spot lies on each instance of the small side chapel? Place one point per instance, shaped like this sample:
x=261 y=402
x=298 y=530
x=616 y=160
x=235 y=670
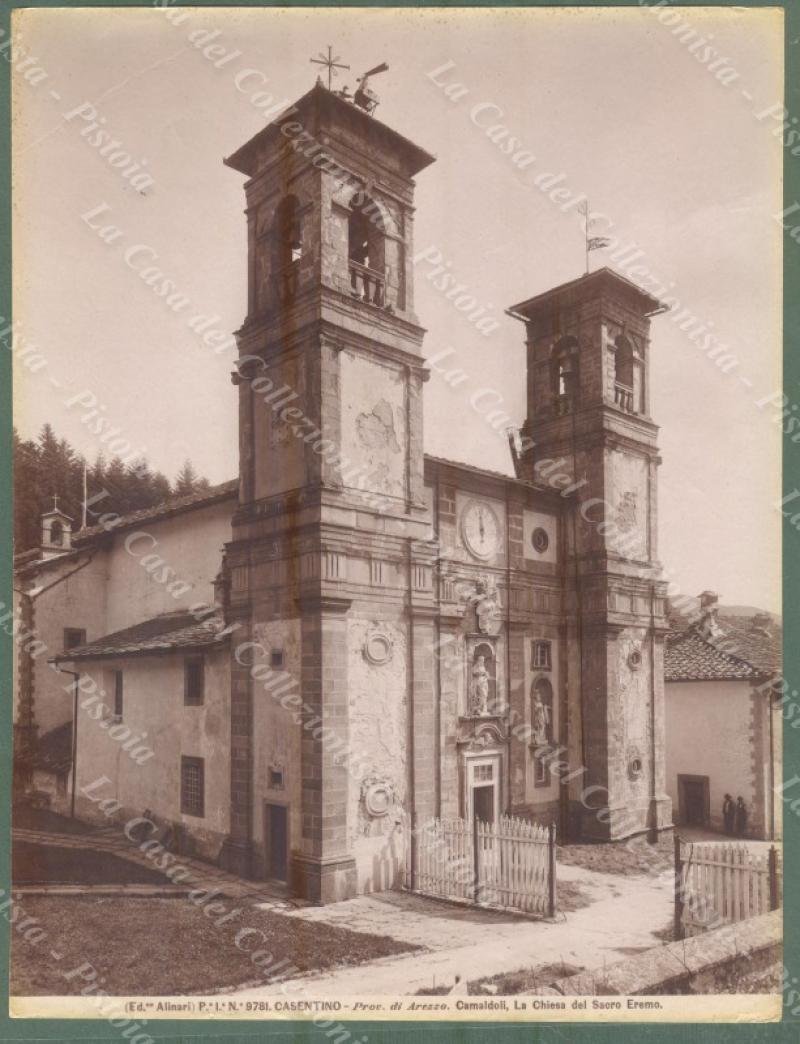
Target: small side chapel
x=468 y=643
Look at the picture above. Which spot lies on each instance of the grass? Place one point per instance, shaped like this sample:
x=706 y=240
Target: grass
x=27 y=817
x=49 y=864
x=157 y=947
x=507 y=984
x=570 y=897
x=627 y=858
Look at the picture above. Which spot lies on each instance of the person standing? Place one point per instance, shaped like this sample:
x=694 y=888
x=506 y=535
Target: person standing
x=728 y=814
x=741 y=817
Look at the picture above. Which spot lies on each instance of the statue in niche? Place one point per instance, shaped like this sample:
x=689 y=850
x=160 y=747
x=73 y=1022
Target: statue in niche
x=480 y=687
x=541 y=724
x=542 y=712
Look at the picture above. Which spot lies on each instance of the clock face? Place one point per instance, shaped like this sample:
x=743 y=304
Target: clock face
x=480 y=529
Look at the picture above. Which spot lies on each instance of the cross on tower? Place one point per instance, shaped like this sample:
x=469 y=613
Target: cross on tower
x=330 y=63
x=55 y=502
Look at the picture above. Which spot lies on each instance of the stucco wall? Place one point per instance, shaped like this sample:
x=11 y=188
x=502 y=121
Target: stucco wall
x=77 y=601
x=378 y=723
x=276 y=736
x=708 y=727
x=154 y=709
x=166 y=565
x=373 y=423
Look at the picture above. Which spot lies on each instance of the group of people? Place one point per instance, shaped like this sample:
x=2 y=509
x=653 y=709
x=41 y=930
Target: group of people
x=734 y=816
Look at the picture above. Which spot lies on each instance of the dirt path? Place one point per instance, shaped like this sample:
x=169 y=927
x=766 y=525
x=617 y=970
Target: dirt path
x=621 y=920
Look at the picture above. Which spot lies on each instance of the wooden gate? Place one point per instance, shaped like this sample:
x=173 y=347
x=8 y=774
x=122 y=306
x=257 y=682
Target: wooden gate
x=721 y=883
x=509 y=864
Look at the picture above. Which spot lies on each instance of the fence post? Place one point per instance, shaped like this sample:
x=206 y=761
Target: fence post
x=551 y=845
x=475 y=861
x=772 y=864
x=678 y=926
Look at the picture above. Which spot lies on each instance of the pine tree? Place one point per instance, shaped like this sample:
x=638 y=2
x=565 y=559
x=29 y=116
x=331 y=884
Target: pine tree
x=48 y=465
x=187 y=480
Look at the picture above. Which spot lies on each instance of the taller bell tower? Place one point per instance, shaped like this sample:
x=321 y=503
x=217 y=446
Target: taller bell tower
x=589 y=426
x=322 y=574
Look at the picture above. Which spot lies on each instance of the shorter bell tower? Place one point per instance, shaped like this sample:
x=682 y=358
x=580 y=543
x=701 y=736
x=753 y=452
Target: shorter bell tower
x=588 y=421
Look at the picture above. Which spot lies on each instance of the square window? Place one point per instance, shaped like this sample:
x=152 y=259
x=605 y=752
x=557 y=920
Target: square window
x=194 y=681
x=193 y=786
x=73 y=637
x=276 y=659
x=541 y=659
x=118 y=695
x=483 y=773
x=276 y=779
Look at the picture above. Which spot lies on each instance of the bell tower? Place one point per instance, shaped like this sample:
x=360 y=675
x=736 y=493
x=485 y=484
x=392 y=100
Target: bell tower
x=588 y=351
x=330 y=376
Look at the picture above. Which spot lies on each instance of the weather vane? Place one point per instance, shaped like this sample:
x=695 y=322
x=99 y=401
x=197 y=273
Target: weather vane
x=330 y=63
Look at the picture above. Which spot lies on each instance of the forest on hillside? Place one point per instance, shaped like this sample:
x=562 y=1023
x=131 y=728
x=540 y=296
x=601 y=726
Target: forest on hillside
x=48 y=466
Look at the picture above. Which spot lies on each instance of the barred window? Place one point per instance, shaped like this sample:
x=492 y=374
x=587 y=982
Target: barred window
x=541 y=659
x=194 y=681
x=193 y=786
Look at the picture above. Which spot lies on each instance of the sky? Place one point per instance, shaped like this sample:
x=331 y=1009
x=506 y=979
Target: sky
x=679 y=156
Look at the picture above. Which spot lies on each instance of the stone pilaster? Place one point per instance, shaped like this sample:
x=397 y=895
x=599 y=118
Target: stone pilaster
x=422 y=708
x=324 y=870
x=518 y=750
x=237 y=850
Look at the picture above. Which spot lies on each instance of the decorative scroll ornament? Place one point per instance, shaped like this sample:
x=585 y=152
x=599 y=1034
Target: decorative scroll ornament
x=378 y=647
x=378 y=797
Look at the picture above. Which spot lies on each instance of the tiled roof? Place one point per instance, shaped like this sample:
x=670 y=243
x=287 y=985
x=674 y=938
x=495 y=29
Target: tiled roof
x=503 y=476
x=177 y=630
x=173 y=506
x=762 y=646
x=690 y=657
x=54 y=750
x=753 y=638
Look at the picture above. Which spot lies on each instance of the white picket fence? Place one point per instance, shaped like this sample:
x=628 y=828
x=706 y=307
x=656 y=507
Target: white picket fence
x=721 y=883
x=509 y=864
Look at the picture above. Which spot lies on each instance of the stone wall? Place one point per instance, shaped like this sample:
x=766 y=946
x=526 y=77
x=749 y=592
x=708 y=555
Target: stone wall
x=739 y=958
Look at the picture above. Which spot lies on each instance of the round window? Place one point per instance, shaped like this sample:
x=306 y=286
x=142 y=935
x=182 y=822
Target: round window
x=635 y=767
x=540 y=540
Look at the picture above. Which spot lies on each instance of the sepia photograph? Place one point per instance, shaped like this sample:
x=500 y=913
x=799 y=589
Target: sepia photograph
x=396 y=628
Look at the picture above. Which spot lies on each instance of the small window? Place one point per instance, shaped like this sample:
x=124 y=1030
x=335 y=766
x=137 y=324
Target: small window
x=193 y=786
x=276 y=779
x=276 y=659
x=194 y=681
x=73 y=637
x=118 y=698
x=541 y=768
x=541 y=659
x=484 y=773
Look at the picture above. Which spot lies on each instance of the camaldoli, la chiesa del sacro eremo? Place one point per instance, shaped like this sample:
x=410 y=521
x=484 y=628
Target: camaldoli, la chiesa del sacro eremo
x=397 y=636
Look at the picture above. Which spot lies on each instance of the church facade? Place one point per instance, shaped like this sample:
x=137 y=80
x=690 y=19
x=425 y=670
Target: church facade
x=397 y=636
x=449 y=629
